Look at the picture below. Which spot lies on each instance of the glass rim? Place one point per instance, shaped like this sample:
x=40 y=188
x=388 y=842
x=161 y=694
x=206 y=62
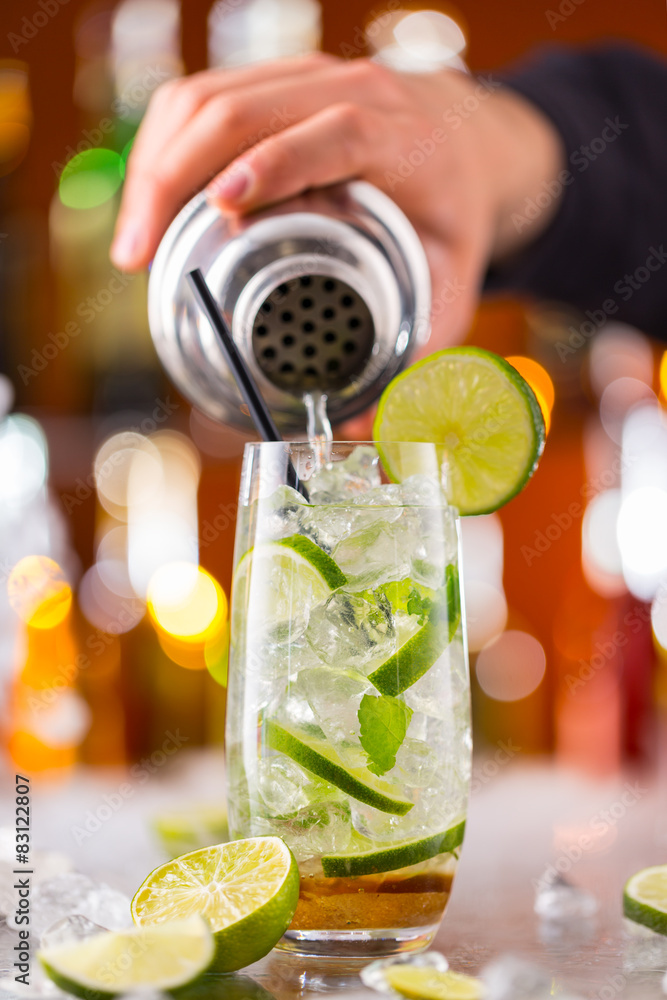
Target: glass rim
x=334 y=442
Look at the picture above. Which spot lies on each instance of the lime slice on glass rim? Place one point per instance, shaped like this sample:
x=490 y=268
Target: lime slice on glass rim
x=421 y=983
x=317 y=756
x=247 y=890
x=163 y=958
x=645 y=898
x=292 y=572
x=372 y=860
x=482 y=416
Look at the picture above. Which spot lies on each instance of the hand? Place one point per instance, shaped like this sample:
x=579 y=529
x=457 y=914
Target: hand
x=458 y=155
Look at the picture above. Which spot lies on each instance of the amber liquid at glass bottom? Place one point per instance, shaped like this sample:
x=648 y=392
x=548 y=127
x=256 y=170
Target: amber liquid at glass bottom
x=348 y=731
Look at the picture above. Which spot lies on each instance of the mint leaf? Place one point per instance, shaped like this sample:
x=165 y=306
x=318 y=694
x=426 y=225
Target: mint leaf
x=418 y=605
x=383 y=724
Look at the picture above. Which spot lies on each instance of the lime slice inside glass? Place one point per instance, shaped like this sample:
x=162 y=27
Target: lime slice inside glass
x=247 y=891
x=481 y=414
x=283 y=577
x=317 y=756
x=645 y=898
x=370 y=860
x=164 y=957
x=198 y=826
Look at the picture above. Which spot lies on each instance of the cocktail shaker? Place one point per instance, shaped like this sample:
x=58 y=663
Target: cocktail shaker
x=328 y=292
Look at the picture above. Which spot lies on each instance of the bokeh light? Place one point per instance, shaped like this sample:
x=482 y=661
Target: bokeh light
x=90 y=178
x=15 y=114
x=511 y=667
x=23 y=460
x=186 y=601
x=540 y=382
x=39 y=592
x=642 y=532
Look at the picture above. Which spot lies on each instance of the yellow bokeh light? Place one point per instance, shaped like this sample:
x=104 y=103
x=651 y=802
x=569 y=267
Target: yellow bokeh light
x=663 y=375
x=39 y=592
x=186 y=602
x=539 y=381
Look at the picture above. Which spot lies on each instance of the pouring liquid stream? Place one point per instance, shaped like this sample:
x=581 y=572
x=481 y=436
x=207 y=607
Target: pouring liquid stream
x=320 y=434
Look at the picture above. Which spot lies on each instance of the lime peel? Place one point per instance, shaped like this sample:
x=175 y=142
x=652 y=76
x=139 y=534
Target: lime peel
x=391 y=857
x=645 y=898
x=318 y=757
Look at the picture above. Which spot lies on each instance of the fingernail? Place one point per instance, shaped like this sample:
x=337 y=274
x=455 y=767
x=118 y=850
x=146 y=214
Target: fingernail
x=126 y=244
x=233 y=184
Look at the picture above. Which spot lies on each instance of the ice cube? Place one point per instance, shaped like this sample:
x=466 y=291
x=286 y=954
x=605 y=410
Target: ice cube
x=338 y=482
x=74 y=893
x=335 y=696
x=512 y=978
x=279 y=515
x=73 y=928
x=352 y=629
x=416 y=764
x=283 y=786
x=373 y=975
x=381 y=549
x=645 y=951
x=558 y=900
x=322 y=828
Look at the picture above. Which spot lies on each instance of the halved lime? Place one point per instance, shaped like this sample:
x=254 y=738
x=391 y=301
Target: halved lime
x=320 y=758
x=198 y=826
x=369 y=860
x=247 y=890
x=418 y=982
x=164 y=957
x=421 y=650
x=482 y=415
x=286 y=577
x=645 y=898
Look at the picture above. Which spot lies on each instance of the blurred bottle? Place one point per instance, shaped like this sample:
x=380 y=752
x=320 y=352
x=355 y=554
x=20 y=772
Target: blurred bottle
x=241 y=32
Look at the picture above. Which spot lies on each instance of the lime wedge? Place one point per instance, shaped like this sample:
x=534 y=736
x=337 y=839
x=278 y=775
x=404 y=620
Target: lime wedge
x=421 y=983
x=200 y=826
x=421 y=650
x=290 y=574
x=645 y=898
x=482 y=415
x=247 y=890
x=160 y=958
x=369 y=860
x=317 y=756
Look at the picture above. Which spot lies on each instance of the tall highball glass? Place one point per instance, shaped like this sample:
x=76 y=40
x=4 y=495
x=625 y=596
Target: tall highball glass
x=348 y=716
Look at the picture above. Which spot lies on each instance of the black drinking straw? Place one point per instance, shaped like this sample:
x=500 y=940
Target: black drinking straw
x=254 y=400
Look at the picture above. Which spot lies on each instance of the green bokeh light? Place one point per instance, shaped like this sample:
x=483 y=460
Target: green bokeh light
x=91 y=178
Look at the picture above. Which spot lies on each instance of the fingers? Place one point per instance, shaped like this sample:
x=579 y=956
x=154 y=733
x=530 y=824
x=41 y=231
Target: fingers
x=176 y=102
x=340 y=142
x=171 y=162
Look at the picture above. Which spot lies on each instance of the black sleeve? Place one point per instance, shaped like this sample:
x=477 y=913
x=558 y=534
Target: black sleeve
x=605 y=250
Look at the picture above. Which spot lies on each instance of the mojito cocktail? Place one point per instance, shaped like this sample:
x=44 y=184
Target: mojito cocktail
x=348 y=730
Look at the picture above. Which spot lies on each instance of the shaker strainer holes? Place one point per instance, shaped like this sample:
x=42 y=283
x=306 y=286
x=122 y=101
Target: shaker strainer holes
x=302 y=336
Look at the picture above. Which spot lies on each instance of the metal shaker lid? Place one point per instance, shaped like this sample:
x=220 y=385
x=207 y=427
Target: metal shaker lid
x=327 y=291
